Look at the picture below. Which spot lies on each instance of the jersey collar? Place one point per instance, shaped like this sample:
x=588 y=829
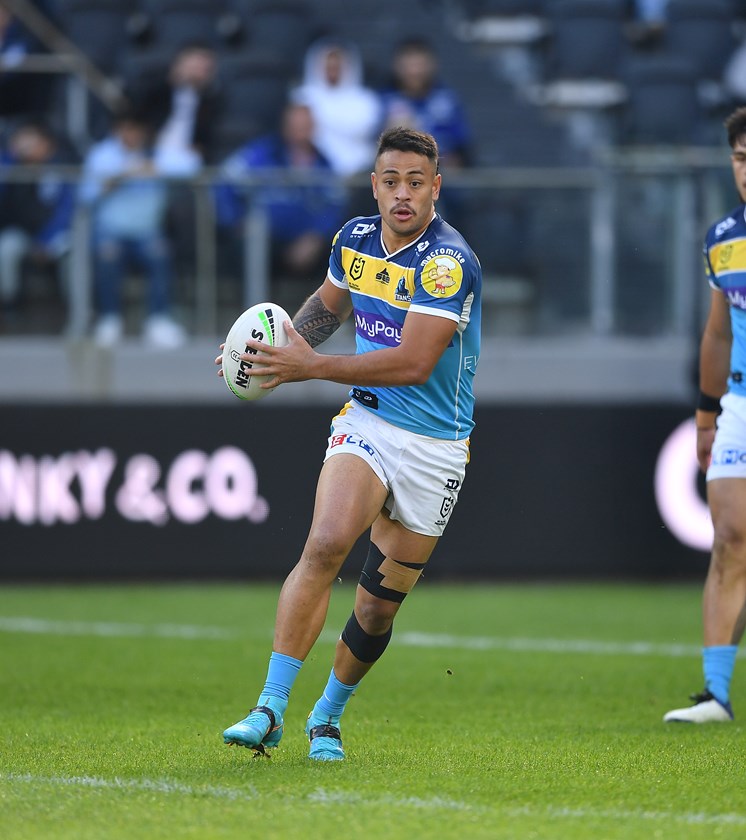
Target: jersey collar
x=409 y=244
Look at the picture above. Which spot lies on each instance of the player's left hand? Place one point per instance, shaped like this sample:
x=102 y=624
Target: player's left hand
x=291 y=363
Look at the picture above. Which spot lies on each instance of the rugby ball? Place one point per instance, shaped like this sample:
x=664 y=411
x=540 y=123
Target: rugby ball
x=262 y=322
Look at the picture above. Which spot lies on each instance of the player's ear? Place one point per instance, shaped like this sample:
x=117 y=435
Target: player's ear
x=436 y=187
x=373 y=184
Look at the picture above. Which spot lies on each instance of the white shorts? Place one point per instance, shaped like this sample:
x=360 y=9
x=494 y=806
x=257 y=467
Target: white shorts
x=729 y=448
x=422 y=474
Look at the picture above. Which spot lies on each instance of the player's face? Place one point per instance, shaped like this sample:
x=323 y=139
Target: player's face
x=738 y=162
x=406 y=187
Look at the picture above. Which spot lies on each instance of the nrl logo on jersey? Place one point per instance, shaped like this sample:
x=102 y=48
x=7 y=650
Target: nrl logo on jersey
x=361 y=229
x=726 y=224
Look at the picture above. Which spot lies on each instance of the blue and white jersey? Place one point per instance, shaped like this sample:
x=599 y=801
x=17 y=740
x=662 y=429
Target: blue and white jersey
x=725 y=265
x=437 y=274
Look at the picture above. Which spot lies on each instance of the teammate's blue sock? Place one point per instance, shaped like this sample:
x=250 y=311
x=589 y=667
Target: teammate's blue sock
x=332 y=702
x=718 y=662
x=280 y=678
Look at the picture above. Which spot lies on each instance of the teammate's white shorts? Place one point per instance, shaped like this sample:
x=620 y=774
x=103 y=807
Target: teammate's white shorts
x=422 y=474
x=729 y=448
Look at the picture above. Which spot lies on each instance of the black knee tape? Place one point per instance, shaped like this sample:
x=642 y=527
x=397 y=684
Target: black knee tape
x=374 y=576
x=362 y=645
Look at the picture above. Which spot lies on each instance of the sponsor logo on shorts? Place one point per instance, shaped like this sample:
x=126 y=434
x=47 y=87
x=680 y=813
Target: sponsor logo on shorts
x=351 y=440
x=446 y=506
x=452 y=484
x=728 y=457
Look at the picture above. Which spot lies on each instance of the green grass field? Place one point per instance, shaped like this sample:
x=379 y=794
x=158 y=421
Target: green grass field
x=497 y=712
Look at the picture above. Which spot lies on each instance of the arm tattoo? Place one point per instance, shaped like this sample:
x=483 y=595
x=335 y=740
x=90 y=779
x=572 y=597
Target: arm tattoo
x=315 y=322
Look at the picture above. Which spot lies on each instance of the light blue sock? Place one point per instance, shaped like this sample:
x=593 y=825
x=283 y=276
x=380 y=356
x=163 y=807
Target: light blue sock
x=280 y=678
x=718 y=662
x=332 y=702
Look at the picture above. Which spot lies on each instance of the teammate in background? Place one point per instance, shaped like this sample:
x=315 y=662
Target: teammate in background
x=397 y=451
x=721 y=443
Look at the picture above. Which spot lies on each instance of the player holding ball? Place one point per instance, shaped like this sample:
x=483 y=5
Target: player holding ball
x=398 y=450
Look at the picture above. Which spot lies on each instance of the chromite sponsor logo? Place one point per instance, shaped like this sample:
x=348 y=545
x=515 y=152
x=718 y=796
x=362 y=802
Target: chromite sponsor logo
x=443 y=252
x=378 y=329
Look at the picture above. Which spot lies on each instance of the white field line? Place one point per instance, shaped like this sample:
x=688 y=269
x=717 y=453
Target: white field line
x=321 y=796
x=113 y=629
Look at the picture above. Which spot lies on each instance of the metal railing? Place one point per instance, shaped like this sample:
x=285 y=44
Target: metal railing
x=578 y=239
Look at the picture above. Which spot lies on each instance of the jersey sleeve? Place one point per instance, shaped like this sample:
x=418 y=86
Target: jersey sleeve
x=336 y=273
x=709 y=271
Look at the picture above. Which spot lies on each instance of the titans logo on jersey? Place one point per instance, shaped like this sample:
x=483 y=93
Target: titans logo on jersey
x=436 y=274
x=725 y=265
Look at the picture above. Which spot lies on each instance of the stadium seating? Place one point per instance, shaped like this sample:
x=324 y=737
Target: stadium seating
x=255 y=86
x=663 y=105
x=586 y=39
x=172 y=23
x=99 y=28
x=287 y=26
x=702 y=32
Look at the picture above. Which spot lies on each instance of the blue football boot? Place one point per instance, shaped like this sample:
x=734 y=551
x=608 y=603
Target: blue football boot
x=324 y=738
x=262 y=727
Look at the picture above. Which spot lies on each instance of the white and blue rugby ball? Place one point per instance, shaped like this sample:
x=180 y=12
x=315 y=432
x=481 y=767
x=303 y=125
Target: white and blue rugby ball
x=262 y=322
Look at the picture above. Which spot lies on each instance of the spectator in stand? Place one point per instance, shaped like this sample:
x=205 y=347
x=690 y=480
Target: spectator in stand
x=303 y=217
x=346 y=113
x=418 y=99
x=183 y=107
x=35 y=216
x=124 y=183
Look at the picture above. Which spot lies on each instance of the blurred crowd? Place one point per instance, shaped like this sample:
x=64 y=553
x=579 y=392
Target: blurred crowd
x=191 y=108
x=167 y=130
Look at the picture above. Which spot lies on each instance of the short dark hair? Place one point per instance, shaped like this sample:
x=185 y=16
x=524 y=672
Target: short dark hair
x=129 y=114
x=400 y=139
x=735 y=125
x=414 y=44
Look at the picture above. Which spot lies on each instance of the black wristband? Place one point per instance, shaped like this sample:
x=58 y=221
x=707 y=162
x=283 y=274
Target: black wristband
x=707 y=403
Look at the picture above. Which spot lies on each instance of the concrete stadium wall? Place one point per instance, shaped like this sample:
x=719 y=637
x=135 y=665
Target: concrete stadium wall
x=127 y=492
